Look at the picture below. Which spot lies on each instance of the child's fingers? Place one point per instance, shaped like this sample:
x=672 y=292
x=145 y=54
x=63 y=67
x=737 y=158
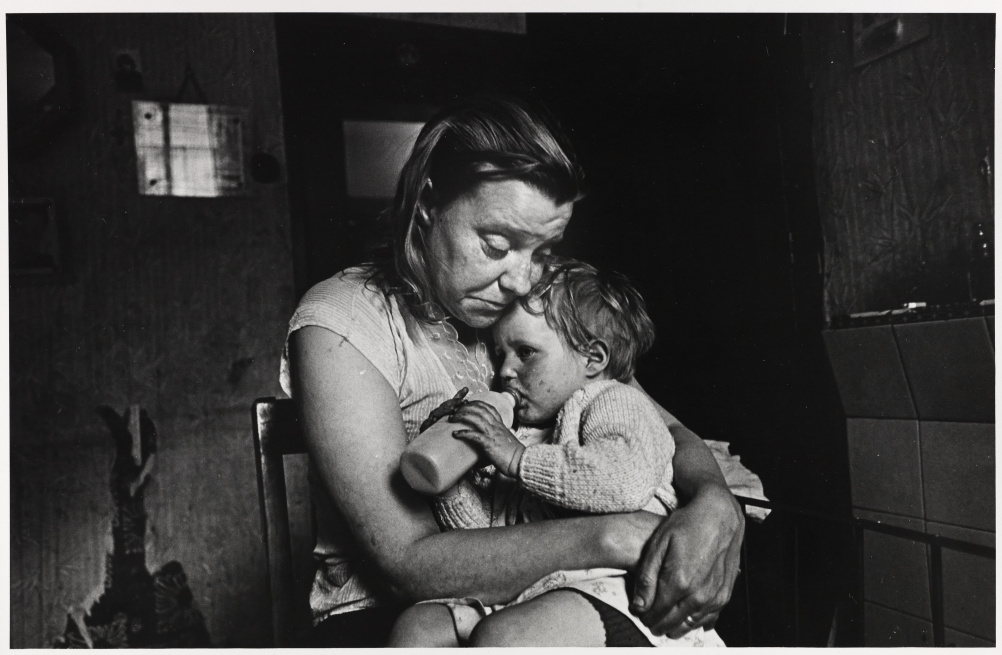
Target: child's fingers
x=475 y=420
x=478 y=418
x=445 y=409
x=469 y=435
x=481 y=409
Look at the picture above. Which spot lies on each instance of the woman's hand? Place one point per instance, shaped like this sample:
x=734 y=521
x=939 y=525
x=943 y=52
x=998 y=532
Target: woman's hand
x=489 y=435
x=689 y=565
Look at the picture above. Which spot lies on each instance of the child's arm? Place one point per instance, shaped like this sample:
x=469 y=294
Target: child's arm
x=613 y=459
x=463 y=507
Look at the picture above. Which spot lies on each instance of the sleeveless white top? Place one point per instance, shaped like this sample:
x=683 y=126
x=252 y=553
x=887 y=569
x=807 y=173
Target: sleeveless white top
x=424 y=364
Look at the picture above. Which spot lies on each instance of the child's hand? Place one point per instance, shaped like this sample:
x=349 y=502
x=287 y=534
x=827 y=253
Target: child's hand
x=445 y=409
x=489 y=435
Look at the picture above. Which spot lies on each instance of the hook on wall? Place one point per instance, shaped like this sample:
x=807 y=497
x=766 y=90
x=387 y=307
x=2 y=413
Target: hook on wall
x=190 y=79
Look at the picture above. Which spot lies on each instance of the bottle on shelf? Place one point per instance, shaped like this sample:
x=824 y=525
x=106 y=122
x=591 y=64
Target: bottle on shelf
x=436 y=460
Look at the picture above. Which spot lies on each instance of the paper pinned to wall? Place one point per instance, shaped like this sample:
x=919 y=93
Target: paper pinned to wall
x=188 y=149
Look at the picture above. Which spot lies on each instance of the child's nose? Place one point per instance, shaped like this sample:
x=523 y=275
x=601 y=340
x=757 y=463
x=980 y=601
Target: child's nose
x=508 y=372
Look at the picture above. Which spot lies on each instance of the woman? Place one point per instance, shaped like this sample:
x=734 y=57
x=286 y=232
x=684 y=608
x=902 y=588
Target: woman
x=487 y=191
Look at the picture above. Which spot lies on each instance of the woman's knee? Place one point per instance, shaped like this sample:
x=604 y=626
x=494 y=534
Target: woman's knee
x=424 y=626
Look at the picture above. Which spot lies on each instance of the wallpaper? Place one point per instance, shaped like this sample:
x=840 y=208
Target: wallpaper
x=178 y=305
x=901 y=146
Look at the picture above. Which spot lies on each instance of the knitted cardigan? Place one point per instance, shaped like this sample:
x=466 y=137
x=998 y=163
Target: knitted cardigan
x=610 y=451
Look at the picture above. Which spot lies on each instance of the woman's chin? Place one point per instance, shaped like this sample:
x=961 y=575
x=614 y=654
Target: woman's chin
x=479 y=317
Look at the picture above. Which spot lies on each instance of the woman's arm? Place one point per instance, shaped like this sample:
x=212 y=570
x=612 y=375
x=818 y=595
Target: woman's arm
x=355 y=434
x=690 y=564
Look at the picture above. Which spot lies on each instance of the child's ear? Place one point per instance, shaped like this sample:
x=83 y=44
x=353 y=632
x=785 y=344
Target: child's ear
x=426 y=205
x=424 y=215
x=597 y=355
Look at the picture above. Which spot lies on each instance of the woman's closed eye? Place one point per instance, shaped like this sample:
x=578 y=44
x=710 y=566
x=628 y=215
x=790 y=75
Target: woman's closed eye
x=495 y=246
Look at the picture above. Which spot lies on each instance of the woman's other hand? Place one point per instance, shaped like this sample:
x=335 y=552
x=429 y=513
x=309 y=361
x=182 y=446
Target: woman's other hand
x=448 y=408
x=489 y=436
x=689 y=566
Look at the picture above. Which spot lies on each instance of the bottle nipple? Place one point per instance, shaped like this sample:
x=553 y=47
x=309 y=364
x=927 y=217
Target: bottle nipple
x=516 y=396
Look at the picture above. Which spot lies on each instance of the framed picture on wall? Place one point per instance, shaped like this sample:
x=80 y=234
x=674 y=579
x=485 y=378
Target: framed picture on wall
x=36 y=243
x=878 y=35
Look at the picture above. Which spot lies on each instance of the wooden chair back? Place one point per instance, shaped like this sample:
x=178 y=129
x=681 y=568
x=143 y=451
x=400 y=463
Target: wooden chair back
x=277 y=433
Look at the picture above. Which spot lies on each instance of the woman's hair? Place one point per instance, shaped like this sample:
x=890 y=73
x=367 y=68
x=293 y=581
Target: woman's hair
x=583 y=304
x=487 y=138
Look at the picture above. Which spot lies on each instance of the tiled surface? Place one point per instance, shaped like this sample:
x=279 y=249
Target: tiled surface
x=936 y=475
x=950 y=366
x=890 y=519
x=896 y=570
x=958 y=470
x=969 y=593
x=884 y=465
x=962 y=640
x=885 y=627
x=980 y=537
x=871 y=379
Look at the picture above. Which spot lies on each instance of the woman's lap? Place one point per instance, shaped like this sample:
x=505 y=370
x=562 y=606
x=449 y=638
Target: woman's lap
x=556 y=618
x=619 y=630
x=367 y=628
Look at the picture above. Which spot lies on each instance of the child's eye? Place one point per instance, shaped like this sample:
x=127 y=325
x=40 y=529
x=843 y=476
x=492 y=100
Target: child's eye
x=525 y=352
x=494 y=246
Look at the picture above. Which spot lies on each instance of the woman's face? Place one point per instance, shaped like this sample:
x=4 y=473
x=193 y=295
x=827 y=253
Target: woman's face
x=486 y=247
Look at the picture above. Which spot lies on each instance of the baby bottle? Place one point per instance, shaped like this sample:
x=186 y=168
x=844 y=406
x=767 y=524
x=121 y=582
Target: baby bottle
x=435 y=460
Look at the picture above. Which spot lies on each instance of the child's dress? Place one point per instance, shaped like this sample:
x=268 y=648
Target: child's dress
x=609 y=451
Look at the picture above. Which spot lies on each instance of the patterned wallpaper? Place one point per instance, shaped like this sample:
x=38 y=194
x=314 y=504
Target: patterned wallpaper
x=900 y=146
x=176 y=304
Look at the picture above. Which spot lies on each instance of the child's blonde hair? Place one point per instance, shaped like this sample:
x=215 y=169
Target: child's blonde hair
x=583 y=304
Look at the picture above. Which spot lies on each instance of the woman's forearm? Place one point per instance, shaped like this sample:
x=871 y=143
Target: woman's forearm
x=496 y=564
x=694 y=464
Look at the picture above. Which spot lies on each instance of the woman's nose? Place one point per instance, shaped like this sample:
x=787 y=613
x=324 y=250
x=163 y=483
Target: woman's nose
x=518 y=278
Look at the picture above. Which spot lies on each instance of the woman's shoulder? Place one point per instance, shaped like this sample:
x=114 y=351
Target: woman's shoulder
x=347 y=303
x=353 y=305
x=348 y=286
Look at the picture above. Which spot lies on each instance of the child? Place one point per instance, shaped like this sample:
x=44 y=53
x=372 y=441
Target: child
x=588 y=442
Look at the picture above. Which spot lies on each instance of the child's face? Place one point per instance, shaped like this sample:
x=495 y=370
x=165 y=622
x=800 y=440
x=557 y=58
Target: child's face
x=537 y=362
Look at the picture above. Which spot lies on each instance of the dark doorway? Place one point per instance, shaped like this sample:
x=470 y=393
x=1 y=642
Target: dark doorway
x=336 y=68
x=695 y=132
